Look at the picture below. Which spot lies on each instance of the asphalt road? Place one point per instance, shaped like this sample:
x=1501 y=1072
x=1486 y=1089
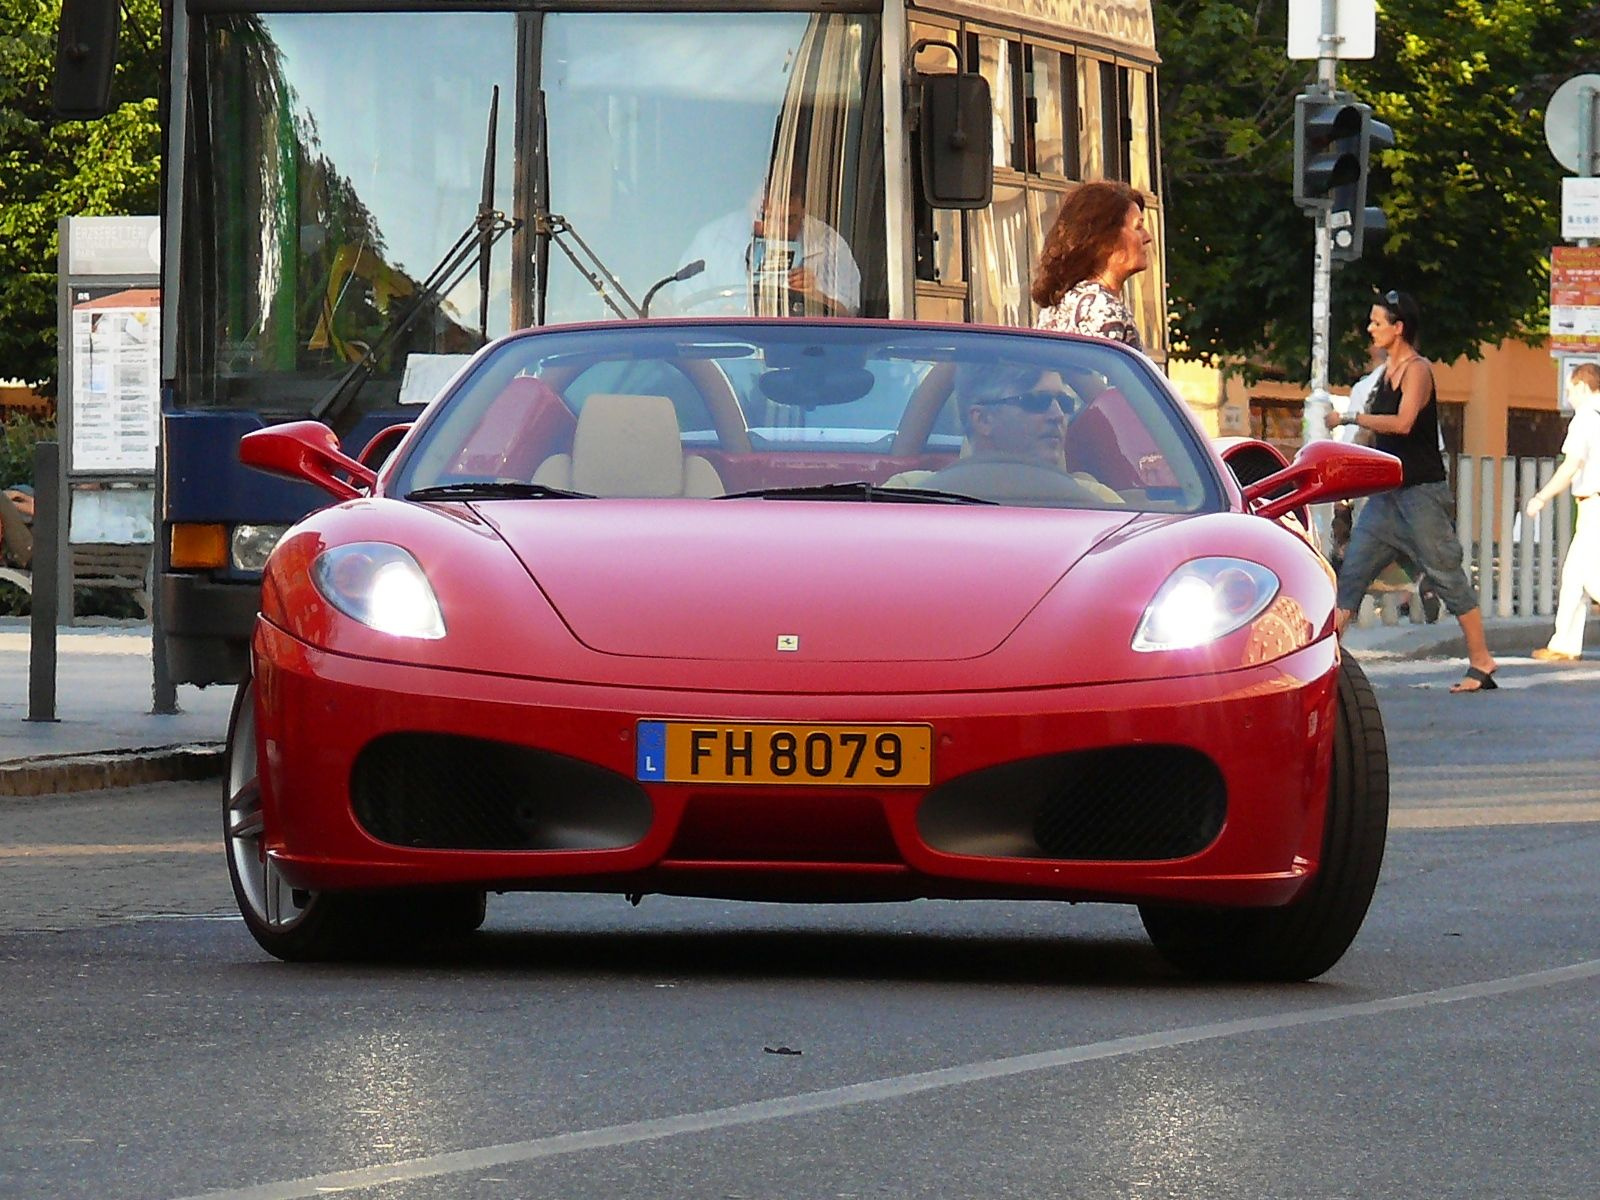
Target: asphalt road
x=582 y=1048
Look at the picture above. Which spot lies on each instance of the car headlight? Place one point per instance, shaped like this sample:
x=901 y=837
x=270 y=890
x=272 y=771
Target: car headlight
x=251 y=544
x=381 y=586
x=1204 y=600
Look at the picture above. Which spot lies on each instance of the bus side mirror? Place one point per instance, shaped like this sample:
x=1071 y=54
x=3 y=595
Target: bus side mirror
x=86 y=56
x=955 y=119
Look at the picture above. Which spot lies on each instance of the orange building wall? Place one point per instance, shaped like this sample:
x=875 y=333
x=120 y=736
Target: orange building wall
x=1512 y=375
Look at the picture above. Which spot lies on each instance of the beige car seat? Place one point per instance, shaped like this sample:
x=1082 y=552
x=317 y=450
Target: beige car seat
x=629 y=446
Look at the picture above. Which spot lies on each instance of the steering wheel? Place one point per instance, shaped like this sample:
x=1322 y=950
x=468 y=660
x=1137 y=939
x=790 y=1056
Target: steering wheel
x=1014 y=480
x=728 y=301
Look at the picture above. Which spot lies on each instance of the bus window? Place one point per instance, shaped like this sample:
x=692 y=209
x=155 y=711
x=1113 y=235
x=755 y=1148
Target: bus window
x=1053 y=117
x=999 y=62
x=633 y=101
x=933 y=59
x=1141 y=147
x=1001 y=266
x=1149 y=289
x=1091 y=141
x=1043 y=204
x=1114 y=119
x=949 y=263
x=305 y=228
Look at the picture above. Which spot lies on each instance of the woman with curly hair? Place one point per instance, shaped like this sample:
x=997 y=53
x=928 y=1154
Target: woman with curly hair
x=1098 y=240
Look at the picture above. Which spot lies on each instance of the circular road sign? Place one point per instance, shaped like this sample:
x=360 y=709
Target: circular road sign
x=1561 y=118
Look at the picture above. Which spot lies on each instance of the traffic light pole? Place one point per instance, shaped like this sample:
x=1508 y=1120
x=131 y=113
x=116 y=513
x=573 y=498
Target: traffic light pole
x=1318 y=403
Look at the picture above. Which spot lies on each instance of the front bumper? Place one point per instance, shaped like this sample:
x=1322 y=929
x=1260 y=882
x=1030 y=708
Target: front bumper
x=1267 y=731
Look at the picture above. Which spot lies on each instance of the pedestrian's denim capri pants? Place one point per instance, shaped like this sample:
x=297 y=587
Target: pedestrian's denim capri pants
x=1418 y=521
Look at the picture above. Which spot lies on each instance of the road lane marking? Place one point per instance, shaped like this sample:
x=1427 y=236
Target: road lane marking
x=104 y=849
x=1472 y=816
x=875 y=1091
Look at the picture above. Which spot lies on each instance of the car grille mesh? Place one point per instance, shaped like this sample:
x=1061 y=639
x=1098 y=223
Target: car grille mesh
x=440 y=791
x=1128 y=803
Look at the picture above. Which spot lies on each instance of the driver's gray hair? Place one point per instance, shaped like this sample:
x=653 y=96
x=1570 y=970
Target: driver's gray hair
x=978 y=382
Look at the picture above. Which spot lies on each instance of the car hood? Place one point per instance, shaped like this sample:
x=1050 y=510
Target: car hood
x=725 y=580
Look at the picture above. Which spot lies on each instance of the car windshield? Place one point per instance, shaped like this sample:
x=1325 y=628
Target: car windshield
x=811 y=411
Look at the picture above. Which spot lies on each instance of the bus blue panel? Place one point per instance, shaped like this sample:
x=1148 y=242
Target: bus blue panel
x=205 y=480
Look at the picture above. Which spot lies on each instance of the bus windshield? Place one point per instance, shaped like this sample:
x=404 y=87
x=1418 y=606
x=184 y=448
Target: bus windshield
x=324 y=183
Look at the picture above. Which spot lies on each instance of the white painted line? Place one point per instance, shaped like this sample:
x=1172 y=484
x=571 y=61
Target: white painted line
x=1474 y=816
x=875 y=1091
x=102 y=850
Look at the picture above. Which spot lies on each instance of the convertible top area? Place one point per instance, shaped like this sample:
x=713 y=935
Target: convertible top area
x=697 y=410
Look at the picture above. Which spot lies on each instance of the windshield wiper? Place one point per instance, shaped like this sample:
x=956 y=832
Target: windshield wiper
x=553 y=228
x=495 y=489
x=476 y=241
x=857 y=490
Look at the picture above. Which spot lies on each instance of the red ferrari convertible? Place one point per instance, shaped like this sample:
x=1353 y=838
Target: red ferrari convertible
x=812 y=611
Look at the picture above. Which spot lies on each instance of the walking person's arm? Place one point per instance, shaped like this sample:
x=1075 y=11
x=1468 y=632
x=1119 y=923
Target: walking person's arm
x=1416 y=386
x=1559 y=482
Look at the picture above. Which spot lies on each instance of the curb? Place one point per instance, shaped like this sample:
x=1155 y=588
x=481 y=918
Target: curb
x=52 y=774
x=1415 y=642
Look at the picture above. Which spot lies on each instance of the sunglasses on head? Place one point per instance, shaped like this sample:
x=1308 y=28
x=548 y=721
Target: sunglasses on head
x=1391 y=300
x=1034 y=402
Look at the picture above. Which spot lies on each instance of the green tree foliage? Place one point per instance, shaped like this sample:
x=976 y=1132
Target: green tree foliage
x=52 y=169
x=1471 y=191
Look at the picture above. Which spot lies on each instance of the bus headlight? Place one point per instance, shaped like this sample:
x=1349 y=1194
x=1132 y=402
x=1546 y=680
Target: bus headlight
x=251 y=544
x=382 y=587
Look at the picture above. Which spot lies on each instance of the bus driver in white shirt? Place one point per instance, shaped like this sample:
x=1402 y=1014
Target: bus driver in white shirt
x=772 y=258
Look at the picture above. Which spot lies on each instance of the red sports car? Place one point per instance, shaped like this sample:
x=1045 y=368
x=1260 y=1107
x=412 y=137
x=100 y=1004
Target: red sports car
x=808 y=610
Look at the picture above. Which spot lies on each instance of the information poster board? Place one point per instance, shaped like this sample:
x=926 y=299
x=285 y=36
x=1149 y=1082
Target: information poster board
x=116 y=379
x=1575 y=300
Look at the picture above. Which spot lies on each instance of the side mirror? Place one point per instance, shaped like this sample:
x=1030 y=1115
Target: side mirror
x=307 y=451
x=955 y=119
x=1322 y=472
x=1250 y=460
x=86 y=56
x=377 y=451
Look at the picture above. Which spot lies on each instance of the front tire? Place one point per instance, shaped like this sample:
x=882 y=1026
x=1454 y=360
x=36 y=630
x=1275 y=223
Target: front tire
x=297 y=925
x=1309 y=935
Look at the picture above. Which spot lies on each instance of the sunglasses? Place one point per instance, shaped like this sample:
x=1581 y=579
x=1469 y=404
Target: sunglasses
x=1033 y=402
x=1391 y=300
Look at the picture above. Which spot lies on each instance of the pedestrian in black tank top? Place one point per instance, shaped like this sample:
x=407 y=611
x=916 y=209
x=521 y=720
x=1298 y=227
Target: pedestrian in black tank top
x=1418 y=518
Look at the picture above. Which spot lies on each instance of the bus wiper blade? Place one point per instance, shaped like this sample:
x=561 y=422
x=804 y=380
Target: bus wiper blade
x=474 y=245
x=857 y=490
x=495 y=489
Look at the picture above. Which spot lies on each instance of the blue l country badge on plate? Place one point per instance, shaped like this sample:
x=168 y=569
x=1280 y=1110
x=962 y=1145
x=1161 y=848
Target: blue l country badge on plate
x=652 y=742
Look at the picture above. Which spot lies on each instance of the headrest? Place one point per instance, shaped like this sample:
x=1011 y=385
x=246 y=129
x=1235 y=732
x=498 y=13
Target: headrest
x=627 y=446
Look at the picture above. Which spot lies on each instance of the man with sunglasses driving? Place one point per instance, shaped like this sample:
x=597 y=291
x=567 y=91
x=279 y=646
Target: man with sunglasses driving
x=1015 y=421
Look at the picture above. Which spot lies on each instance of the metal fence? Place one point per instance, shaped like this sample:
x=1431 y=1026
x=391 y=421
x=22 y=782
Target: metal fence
x=1514 y=562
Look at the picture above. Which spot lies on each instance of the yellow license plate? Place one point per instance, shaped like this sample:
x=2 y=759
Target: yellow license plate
x=818 y=755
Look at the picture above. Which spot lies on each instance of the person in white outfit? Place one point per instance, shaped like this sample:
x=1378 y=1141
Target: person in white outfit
x=772 y=259
x=1579 y=470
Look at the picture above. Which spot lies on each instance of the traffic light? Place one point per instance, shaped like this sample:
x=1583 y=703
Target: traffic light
x=1326 y=129
x=1352 y=219
x=86 y=57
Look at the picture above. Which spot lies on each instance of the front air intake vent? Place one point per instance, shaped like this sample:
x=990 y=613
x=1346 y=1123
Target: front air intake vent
x=1123 y=804
x=443 y=792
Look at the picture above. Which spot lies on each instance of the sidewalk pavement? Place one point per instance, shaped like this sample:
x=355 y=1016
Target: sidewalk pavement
x=105 y=734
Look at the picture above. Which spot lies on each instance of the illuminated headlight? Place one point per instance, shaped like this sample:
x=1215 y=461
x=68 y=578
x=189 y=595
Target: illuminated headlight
x=381 y=586
x=1204 y=600
x=251 y=544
